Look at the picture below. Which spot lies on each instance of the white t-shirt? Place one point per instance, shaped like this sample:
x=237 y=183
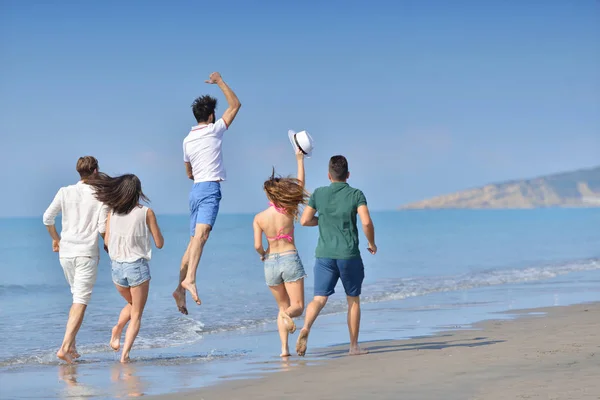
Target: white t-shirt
x=129 y=237
x=83 y=218
x=202 y=148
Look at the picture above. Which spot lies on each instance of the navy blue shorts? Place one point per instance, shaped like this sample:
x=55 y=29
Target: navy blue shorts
x=205 y=198
x=328 y=271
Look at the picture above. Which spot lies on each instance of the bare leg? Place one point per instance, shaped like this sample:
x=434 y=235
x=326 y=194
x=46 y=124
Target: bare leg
x=354 y=325
x=295 y=291
x=285 y=324
x=139 y=295
x=124 y=316
x=312 y=312
x=179 y=293
x=282 y=327
x=195 y=253
x=73 y=324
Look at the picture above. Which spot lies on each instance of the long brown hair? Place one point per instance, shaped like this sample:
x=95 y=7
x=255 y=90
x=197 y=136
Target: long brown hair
x=122 y=193
x=286 y=193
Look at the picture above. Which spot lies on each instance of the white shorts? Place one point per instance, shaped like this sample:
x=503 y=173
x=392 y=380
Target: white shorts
x=81 y=274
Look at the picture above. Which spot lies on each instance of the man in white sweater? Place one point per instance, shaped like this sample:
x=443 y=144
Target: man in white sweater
x=83 y=218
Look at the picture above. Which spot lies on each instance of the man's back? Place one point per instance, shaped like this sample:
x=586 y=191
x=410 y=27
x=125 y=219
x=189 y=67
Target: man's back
x=202 y=148
x=337 y=206
x=83 y=218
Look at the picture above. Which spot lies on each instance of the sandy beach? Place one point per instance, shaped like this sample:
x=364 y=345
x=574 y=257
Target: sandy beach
x=551 y=353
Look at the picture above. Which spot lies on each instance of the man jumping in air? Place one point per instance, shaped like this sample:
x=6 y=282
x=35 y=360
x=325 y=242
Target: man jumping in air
x=202 y=155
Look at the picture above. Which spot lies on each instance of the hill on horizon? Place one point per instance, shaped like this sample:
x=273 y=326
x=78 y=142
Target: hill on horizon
x=580 y=188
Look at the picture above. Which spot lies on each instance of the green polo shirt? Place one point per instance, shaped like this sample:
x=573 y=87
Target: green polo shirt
x=337 y=205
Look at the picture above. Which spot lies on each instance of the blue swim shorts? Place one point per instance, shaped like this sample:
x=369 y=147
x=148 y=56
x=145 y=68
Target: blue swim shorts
x=328 y=271
x=130 y=274
x=204 y=204
x=283 y=267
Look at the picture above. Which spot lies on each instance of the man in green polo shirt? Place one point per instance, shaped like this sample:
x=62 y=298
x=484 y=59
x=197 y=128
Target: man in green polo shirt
x=337 y=254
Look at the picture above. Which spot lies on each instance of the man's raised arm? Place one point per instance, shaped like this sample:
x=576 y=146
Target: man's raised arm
x=232 y=100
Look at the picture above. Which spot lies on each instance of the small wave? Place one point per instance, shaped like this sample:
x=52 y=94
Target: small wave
x=187 y=330
x=24 y=289
x=49 y=358
x=413 y=287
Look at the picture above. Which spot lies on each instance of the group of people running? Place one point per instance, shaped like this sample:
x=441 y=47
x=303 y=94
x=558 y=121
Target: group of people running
x=112 y=207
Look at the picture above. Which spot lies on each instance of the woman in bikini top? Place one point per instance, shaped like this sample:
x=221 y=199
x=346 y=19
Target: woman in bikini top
x=284 y=272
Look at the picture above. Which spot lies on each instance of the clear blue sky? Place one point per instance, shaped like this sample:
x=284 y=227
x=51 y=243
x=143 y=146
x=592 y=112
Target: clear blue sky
x=423 y=97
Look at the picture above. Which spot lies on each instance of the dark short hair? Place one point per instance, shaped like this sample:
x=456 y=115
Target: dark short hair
x=86 y=166
x=338 y=168
x=203 y=107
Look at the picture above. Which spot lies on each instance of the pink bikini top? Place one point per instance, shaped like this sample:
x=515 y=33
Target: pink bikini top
x=280 y=234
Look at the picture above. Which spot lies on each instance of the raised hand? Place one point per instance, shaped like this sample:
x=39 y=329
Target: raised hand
x=214 y=78
x=299 y=154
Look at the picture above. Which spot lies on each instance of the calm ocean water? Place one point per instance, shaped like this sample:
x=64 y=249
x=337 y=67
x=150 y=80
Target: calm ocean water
x=434 y=269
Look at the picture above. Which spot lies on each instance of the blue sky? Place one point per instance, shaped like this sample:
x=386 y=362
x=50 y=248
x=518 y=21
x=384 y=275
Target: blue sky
x=423 y=97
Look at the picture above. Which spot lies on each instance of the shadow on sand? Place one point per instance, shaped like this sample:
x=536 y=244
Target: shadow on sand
x=388 y=346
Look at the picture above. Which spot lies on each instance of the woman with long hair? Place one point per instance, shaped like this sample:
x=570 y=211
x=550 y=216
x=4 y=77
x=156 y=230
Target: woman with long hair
x=128 y=229
x=284 y=272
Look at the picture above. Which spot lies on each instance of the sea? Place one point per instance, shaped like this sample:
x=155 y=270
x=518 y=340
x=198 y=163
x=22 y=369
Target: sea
x=436 y=270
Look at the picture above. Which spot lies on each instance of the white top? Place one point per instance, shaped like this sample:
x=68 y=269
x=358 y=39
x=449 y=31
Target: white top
x=83 y=218
x=129 y=236
x=202 y=149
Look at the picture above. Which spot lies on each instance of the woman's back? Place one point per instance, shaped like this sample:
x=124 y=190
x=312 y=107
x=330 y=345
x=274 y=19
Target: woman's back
x=129 y=236
x=278 y=227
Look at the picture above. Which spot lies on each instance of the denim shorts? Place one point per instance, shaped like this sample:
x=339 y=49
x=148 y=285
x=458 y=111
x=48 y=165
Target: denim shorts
x=328 y=271
x=283 y=267
x=204 y=204
x=131 y=274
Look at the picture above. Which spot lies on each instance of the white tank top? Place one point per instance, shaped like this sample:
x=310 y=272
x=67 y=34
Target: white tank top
x=129 y=236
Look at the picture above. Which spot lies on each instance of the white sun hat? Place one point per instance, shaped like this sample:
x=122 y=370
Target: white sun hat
x=303 y=141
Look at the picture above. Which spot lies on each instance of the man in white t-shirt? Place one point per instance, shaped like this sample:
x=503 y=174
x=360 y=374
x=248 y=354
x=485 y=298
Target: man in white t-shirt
x=83 y=218
x=203 y=158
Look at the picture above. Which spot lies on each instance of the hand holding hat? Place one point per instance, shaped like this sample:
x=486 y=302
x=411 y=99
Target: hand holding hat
x=301 y=141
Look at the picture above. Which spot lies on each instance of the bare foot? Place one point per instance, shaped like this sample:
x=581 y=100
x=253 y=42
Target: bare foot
x=291 y=326
x=357 y=351
x=285 y=351
x=302 y=342
x=125 y=359
x=115 y=339
x=65 y=355
x=191 y=287
x=179 y=296
x=74 y=353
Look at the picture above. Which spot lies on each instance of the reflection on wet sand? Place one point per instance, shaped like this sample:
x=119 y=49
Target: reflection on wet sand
x=279 y=364
x=285 y=364
x=128 y=382
x=73 y=389
x=125 y=379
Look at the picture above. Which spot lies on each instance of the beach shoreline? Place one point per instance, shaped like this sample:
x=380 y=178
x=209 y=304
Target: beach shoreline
x=547 y=352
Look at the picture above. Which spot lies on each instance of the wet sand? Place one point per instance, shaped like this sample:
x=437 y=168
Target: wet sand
x=550 y=356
